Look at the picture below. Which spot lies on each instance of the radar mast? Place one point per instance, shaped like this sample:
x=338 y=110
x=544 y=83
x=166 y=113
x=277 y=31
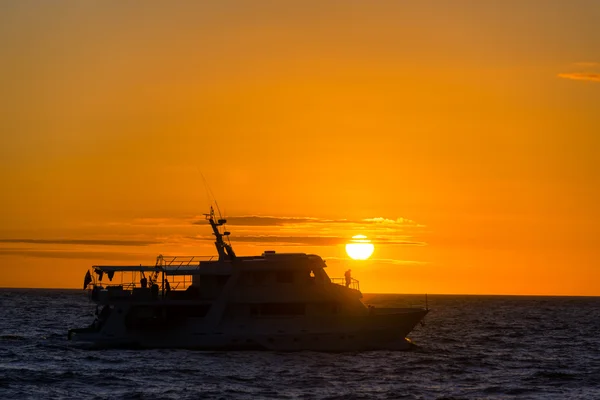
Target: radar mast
x=224 y=249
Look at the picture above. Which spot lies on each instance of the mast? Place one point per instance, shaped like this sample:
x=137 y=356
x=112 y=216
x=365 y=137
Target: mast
x=224 y=249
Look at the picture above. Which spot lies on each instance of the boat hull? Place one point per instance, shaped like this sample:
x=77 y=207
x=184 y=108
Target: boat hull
x=380 y=329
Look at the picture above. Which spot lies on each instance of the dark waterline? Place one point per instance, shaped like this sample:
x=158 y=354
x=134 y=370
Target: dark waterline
x=471 y=346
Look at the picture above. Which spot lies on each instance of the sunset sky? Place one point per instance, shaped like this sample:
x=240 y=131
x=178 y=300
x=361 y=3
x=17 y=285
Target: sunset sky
x=462 y=137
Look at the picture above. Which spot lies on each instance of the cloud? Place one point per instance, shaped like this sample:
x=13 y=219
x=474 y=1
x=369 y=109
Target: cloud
x=276 y=240
x=311 y=231
x=85 y=255
x=581 y=76
x=382 y=261
x=291 y=240
x=397 y=221
x=92 y=242
x=162 y=222
x=399 y=262
x=257 y=220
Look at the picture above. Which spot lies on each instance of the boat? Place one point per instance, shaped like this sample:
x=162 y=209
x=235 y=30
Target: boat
x=274 y=301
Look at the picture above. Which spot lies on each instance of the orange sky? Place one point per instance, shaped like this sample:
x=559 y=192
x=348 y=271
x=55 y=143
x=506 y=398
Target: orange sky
x=468 y=128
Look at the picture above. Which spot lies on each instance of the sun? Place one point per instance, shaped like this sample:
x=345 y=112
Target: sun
x=359 y=248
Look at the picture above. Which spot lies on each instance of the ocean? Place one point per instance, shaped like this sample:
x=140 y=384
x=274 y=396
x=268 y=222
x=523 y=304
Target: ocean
x=470 y=347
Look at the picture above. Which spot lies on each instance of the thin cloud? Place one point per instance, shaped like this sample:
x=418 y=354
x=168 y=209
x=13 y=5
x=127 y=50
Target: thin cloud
x=91 y=242
x=581 y=76
x=83 y=255
x=587 y=64
x=255 y=220
x=258 y=220
x=399 y=262
x=311 y=231
x=383 y=261
x=397 y=221
x=291 y=240
x=276 y=240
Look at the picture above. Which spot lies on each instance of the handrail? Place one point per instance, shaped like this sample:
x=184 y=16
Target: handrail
x=354 y=283
x=181 y=261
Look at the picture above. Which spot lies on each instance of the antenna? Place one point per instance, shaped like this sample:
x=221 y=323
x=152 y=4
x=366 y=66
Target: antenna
x=210 y=194
x=224 y=249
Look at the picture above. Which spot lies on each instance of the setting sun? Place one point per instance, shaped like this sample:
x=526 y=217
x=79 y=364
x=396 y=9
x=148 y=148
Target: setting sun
x=359 y=248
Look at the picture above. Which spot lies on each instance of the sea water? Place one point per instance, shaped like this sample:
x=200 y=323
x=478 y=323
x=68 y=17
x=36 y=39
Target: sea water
x=471 y=347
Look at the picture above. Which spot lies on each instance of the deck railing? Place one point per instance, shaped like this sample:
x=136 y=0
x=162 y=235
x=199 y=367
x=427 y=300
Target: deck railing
x=354 y=284
x=181 y=261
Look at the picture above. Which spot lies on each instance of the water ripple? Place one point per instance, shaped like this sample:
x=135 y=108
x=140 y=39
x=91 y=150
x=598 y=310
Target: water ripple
x=470 y=347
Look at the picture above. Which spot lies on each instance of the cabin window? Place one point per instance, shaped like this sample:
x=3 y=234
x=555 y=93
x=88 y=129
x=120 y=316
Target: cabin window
x=285 y=277
x=311 y=279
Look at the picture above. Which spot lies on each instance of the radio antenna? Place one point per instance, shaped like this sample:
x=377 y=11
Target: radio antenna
x=210 y=194
x=225 y=250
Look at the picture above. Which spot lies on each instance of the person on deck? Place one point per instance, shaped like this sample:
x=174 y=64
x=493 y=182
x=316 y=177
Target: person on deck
x=348 y=276
x=143 y=281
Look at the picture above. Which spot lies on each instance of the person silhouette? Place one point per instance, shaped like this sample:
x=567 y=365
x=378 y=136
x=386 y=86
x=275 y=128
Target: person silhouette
x=348 y=276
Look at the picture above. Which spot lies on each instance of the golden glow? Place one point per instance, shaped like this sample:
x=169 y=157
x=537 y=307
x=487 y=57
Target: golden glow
x=341 y=111
x=360 y=248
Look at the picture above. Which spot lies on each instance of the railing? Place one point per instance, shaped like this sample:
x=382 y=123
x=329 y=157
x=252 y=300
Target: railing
x=176 y=275
x=181 y=261
x=353 y=284
x=179 y=282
